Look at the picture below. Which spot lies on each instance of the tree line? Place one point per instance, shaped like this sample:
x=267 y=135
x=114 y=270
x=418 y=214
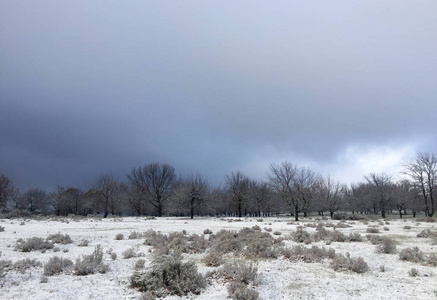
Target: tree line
x=155 y=189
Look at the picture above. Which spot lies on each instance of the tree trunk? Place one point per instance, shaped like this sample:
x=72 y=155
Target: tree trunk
x=296 y=213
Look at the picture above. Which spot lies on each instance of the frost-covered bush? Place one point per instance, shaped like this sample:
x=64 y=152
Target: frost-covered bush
x=309 y=255
x=169 y=275
x=129 y=253
x=301 y=236
x=119 y=237
x=57 y=265
x=91 y=264
x=413 y=272
x=59 y=238
x=148 y=296
x=412 y=254
x=240 y=291
x=355 y=237
x=24 y=264
x=372 y=230
x=345 y=263
x=113 y=256
x=374 y=239
x=239 y=270
x=33 y=243
x=83 y=243
x=213 y=258
x=207 y=231
x=139 y=264
x=387 y=245
x=2 y=229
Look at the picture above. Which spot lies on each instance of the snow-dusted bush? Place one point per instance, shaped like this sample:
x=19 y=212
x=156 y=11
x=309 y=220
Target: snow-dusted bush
x=2 y=229
x=119 y=237
x=57 y=265
x=148 y=296
x=239 y=270
x=213 y=258
x=413 y=272
x=345 y=263
x=139 y=264
x=33 y=243
x=355 y=237
x=59 y=238
x=91 y=264
x=169 y=275
x=24 y=264
x=113 y=256
x=301 y=236
x=388 y=245
x=309 y=255
x=372 y=230
x=412 y=254
x=374 y=239
x=240 y=291
x=129 y=253
x=83 y=243
x=207 y=231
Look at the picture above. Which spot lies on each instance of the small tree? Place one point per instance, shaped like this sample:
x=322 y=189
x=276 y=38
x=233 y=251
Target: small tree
x=8 y=192
x=382 y=187
x=35 y=200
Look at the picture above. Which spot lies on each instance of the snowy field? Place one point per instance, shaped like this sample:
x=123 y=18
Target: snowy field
x=279 y=278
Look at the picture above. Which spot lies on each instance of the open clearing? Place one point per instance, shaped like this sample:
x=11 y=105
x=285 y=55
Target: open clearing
x=279 y=278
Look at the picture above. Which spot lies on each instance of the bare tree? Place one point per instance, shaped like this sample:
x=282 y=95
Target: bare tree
x=238 y=187
x=382 y=187
x=8 y=192
x=330 y=194
x=155 y=182
x=196 y=191
x=260 y=194
x=36 y=200
x=107 y=191
x=423 y=172
x=294 y=185
x=405 y=196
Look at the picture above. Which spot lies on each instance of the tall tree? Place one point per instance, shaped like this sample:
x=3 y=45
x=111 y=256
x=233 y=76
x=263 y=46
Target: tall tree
x=155 y=182
x=107 y=192
x=260 y=193
x=238 y=187
x=423 y=172
x=294 y=185
x=383 y=187
x=330 y=194
x=196 y=192
x=36 y=200
x=8 y=192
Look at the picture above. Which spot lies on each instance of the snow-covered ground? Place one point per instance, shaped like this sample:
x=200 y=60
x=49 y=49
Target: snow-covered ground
x=279 y=278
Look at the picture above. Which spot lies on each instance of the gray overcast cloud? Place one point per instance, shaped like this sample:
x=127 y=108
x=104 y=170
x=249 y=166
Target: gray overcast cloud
x=91 y=87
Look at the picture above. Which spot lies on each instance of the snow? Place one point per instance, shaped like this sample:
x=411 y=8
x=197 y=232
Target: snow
x=279 y=278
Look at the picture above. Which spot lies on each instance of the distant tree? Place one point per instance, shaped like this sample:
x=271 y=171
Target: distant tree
x=196 y=191
x=8 y=192
x=405 y=196
x=382 y=187
x=330 y=194
x=238 y=187
x=154 y=182
x=36 y=200
x=260 y=193
x=423 y=173
x=294 y=185
x=57 y=200
x=108 y=191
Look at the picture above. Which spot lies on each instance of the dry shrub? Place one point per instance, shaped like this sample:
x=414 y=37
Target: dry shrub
x=387 y=245
x=91 y=264
x=412 y=254
x=345 y=263
x=59 y=238
x=169 y=275
x=213 y=259
x=240 y=291
x=119 y=237
x=33 y=243
x=239 y=271
x=308 y=255
x=57 y=265
x=372 y=230
x=24 y=264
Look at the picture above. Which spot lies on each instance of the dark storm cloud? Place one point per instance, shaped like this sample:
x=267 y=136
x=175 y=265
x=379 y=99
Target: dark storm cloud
x=93 y=87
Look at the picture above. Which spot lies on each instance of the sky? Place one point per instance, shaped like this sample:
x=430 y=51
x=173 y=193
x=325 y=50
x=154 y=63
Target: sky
x=95 y=87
